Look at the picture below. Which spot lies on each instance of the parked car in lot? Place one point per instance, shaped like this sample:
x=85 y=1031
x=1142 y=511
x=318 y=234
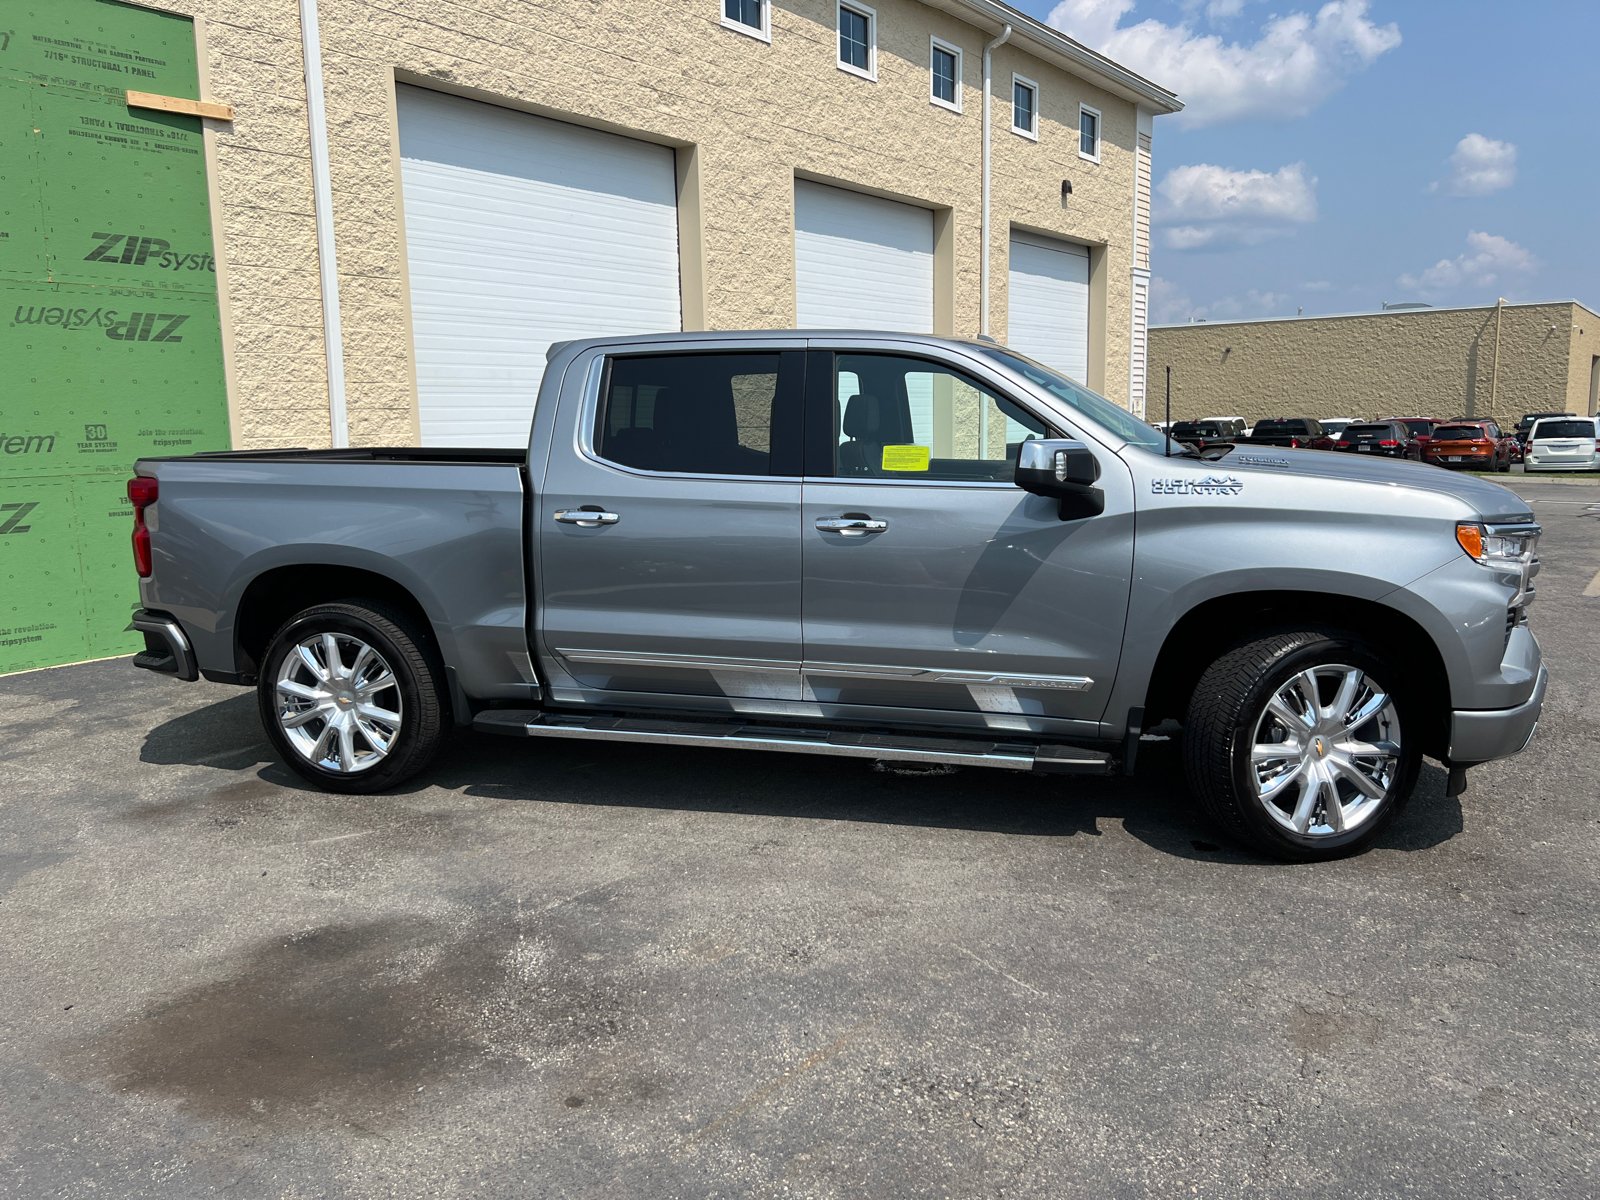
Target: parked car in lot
x=1201 y=434
x=1526 y=423
x=772 y=541
x=1418 y=429
x=1563 y=444
x=1334 y=426
x=1297 y=433
x=1387 y=439
x=1237 y=426
x=1469 y=445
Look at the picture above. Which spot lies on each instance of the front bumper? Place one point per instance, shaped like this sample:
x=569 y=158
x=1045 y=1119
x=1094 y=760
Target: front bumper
x=1482 y=735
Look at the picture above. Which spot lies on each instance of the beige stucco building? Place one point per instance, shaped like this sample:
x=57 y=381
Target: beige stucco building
x=748 y=103
x=1495 y=361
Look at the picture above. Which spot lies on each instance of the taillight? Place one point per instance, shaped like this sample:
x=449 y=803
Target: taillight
x=142 y=491
x=1388 y=443
x=1294 y=443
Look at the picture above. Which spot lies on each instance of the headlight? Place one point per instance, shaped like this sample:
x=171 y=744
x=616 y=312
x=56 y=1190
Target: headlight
x=1498 y=545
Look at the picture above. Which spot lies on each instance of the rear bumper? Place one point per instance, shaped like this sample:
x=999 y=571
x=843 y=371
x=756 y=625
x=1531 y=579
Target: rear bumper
x=1482 y=735
x=166 y=647
x=1560 y=464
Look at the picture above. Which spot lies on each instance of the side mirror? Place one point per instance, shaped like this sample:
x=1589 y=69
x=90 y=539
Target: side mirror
x=1064 y=471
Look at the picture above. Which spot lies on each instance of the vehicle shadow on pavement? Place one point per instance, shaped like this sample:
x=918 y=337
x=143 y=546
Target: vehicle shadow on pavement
x=1154 y=807
x=226 y=735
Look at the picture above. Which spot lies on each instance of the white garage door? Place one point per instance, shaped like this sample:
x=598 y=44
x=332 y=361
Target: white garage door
x=520 y=232
x=861 y=262
x=1048 y=306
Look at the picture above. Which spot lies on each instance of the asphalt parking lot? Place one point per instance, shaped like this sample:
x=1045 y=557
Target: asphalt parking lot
x=572 y=971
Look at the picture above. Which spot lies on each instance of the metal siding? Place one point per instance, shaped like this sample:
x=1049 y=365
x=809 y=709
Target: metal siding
x=1141 y=205
x=861 y=262
x=522 y=231
x=1048 y=304
x=1139 y=350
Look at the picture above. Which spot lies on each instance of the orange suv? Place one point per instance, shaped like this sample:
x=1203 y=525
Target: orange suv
x=1469 y=446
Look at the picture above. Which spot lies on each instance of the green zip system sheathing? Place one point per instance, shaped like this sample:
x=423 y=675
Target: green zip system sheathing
x=110 y=343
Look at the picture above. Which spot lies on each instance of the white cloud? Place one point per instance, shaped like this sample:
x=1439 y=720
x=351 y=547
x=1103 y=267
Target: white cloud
x=1317 y=285
x=1490 y=260
x=1170 y=305
x=1479 y=166
x=1202 y=205
x=1298 y=62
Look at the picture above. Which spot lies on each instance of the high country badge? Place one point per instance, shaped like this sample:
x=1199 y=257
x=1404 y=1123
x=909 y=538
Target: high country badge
x=1211 y=485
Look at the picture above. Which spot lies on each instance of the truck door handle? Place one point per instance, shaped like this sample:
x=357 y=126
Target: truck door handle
x=851 y=526
x=587 y=518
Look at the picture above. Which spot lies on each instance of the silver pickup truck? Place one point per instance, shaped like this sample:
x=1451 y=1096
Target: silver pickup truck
x=885 y=546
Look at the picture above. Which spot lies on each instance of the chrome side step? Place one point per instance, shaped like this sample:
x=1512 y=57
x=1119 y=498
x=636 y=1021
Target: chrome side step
x=730 y=735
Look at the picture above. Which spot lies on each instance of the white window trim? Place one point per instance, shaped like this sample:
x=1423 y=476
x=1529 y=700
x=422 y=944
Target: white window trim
x=1031 y=134
x=764 y=34
x=871 y=14
x=939 y=44
x=1099 y=132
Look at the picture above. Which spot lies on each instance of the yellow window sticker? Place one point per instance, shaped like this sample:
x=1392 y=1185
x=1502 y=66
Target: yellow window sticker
x=905 y=458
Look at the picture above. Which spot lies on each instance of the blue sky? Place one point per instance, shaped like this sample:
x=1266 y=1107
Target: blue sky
x=1338 y=155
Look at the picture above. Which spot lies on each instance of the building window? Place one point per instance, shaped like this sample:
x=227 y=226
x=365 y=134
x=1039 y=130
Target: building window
x=858 y=37
x=945 y=67
x=753 y=17
x=1088 y=133
x=1025 y=107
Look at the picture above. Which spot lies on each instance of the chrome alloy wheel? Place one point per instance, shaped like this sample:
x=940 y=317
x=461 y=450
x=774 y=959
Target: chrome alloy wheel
x=338 y=702
x=1326 y=750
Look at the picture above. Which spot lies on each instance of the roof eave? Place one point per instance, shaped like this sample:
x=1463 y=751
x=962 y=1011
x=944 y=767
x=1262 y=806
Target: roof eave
x=1056 y=48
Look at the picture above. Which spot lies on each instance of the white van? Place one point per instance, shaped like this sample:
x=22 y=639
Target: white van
x=1563 y=444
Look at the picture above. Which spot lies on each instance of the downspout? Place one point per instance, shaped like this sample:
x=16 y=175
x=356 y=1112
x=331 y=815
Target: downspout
x=983 y=265
x=1494 y=372
x=322 y=202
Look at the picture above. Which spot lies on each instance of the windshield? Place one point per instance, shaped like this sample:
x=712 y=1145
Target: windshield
x=1380 y=431
x=1459 y=433
x=1095 y=408
x=1563 y=429
x=1417 y=428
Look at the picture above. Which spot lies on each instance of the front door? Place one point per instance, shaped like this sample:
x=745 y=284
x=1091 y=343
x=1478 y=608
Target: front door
x=669 y=545
x=932 y=582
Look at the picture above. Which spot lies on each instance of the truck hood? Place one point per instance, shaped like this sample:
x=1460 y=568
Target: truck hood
x=1491 y=501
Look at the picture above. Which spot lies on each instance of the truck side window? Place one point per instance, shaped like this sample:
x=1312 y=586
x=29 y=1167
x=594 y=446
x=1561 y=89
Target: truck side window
x=703 y=414
x=906 y=418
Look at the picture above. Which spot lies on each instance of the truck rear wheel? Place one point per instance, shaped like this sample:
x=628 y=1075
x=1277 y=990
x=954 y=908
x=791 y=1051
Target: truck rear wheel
x=1295 y=745
x=350 y=696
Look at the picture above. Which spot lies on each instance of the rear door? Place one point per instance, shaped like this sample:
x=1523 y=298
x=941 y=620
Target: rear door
x=932 y=584
x=669 y=542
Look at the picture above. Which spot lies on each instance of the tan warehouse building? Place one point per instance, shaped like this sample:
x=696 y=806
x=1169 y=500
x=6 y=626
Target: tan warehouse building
x=502 y=178
x=363 y=222
x=1496 y=361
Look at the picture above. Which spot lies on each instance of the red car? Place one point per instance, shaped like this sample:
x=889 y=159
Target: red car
x=1469 y=445
x=1419 y=429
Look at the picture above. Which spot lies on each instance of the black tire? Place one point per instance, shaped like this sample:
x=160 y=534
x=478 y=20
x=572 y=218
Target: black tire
x=416 y=693
x=1229 y=704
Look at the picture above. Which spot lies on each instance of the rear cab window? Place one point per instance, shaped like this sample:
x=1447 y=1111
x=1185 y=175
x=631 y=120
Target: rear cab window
x=702 y=414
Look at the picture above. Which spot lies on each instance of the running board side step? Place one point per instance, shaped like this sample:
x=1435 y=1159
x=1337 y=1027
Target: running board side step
x=959 y=752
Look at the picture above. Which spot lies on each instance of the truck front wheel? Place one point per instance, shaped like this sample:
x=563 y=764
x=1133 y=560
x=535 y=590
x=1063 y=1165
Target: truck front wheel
x=1295 y=744
x=350 y=697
